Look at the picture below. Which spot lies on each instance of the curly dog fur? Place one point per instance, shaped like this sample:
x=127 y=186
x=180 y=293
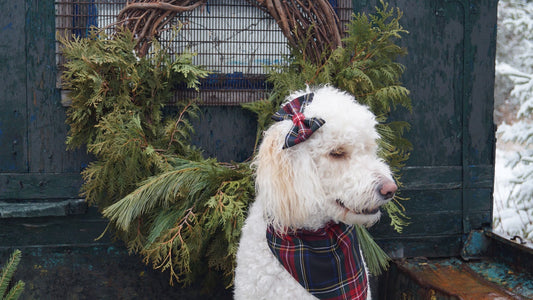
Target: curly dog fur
x=334 y=176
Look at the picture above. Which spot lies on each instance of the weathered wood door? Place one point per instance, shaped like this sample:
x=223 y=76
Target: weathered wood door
x=449 y=176
x=34 y=165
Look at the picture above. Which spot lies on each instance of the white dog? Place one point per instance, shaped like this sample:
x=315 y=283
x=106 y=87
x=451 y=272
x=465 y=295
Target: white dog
x=318 y=173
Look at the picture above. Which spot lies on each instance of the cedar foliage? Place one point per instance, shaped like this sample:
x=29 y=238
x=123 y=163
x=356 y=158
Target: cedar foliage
x=117 y=99
x=182 y=212
x=6 y=274
x=163 y=199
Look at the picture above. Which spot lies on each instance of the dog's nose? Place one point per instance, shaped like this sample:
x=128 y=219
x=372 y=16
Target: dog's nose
x=388 y=189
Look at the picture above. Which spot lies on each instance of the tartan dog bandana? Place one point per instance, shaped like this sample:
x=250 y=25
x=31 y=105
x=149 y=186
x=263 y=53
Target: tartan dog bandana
x=302 y=128
x=326 y=262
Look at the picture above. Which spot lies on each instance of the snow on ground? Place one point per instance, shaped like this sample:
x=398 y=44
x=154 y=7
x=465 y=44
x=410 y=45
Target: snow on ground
x=510 y=218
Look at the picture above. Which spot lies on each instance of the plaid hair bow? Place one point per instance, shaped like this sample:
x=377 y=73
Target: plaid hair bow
x=302 y=128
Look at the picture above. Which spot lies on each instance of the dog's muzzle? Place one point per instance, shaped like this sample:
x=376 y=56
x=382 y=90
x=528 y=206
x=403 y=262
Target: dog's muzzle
x=386 y=191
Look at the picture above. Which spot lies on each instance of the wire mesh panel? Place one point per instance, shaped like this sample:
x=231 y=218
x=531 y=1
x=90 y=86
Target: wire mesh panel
x=76 y=18
x=234 y=39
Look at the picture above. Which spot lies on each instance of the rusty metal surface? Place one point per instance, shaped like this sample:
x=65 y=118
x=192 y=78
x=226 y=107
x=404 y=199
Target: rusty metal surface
x=500 y=261
x=490 y=267
x=466 y=280
x=518 y=255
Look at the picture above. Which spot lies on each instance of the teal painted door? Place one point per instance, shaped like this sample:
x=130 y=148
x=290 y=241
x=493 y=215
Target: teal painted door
x=450 y=72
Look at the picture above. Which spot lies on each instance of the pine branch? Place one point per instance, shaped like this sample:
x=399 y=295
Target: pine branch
x=375 y=258
x=15 y=291
x=217 y=197
x=6 y=275
x=159 y=191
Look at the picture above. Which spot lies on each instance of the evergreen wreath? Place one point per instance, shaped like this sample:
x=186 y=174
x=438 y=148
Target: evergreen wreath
x=183 y=212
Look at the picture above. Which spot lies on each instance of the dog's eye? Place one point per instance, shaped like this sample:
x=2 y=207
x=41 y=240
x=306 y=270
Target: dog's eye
x=338 y=153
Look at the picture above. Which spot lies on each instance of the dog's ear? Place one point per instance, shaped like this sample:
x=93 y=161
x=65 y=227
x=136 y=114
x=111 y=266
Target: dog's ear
x=286 y=181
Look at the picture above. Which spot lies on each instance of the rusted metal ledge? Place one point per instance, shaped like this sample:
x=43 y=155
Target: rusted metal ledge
x=491 y=267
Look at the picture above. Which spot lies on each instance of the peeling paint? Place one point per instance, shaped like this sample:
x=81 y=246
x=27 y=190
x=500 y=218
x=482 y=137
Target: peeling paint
x=469 y=280
x=503 y=275
x=8 y=26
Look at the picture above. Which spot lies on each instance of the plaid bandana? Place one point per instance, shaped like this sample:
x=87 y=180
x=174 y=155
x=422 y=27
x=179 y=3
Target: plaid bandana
x=302 y=128
x=326 y=262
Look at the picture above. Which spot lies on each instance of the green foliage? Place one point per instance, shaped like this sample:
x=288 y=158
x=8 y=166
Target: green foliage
x=376 y=259
x=184 y=215
x=116 y=111
x=180 y=211
x=6 y=273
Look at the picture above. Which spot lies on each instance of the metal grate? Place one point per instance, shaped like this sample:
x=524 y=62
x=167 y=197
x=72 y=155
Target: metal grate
x=234 y=39
x=74 y=17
